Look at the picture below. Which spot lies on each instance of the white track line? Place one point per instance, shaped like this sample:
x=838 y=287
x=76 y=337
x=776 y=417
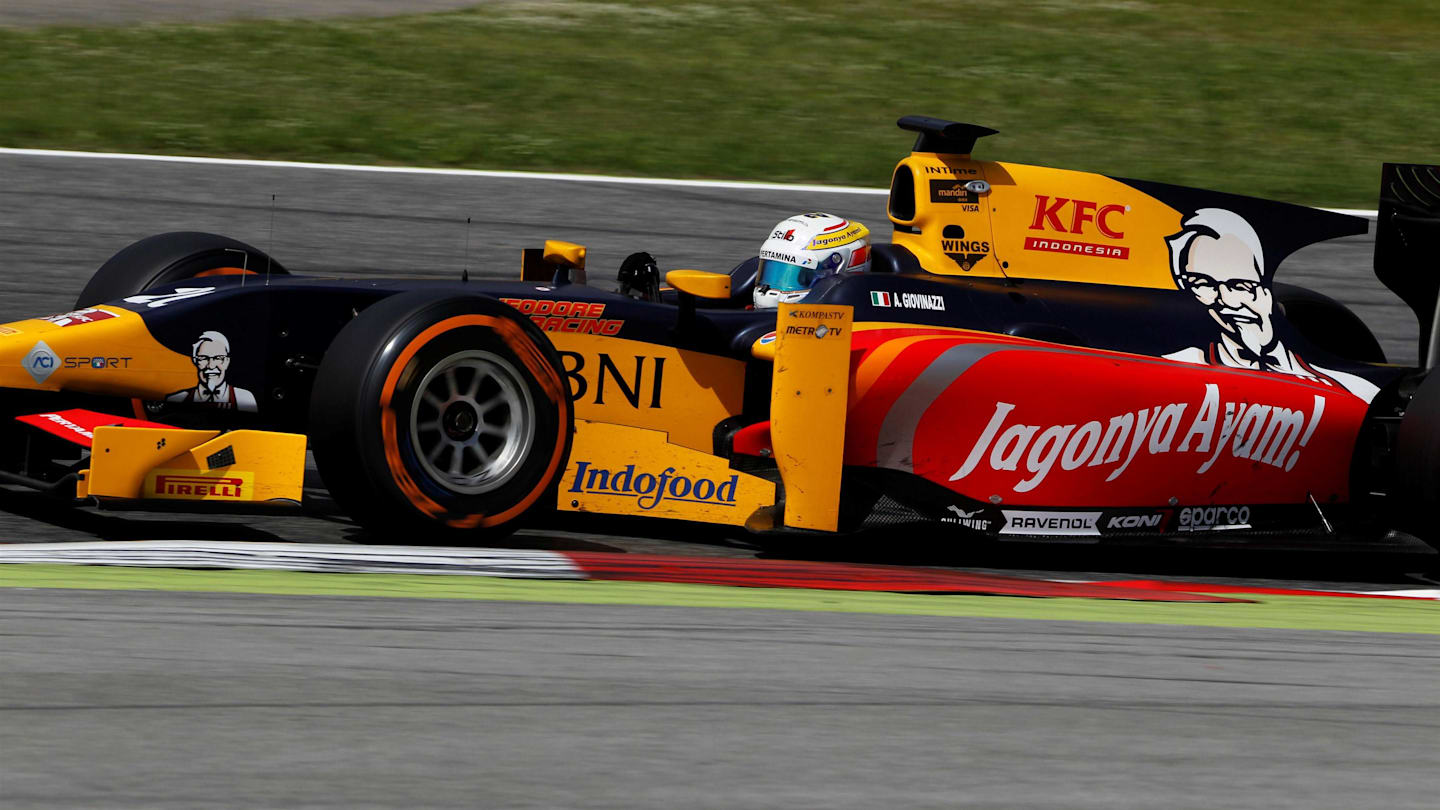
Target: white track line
x=339 y=558
x=346 y=167
x=569 y=178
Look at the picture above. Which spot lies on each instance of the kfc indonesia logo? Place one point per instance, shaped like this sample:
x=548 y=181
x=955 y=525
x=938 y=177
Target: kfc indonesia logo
x=198 y=486
x=1079 y=218
x=1265 y=434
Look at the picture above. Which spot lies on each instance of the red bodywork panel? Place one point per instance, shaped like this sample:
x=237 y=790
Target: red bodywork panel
x=79 y=425
x=1042 y=424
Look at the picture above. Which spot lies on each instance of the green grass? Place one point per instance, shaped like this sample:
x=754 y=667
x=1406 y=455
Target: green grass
x=1293 y=100
x=1280 y=612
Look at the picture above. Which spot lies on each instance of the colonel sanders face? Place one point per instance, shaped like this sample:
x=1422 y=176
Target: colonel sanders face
x=1217 y=258
x=211 y=355
x=1221 y=274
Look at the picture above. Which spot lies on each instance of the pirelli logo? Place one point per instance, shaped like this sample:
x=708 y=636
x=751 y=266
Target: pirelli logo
x=190 y=485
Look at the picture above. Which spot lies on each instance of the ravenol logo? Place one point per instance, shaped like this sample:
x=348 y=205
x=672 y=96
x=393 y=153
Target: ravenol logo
x=41 y=362
x=649 y=490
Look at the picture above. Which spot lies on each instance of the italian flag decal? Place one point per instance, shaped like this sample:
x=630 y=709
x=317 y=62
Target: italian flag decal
x=881 y=299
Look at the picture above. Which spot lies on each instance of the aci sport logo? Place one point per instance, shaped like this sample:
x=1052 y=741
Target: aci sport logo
x=650 y=489
x=41 y=362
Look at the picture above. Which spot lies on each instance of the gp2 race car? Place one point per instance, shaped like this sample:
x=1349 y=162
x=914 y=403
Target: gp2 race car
x=1039 y=353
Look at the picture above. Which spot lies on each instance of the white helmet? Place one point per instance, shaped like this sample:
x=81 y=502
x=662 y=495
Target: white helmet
x=804 y=249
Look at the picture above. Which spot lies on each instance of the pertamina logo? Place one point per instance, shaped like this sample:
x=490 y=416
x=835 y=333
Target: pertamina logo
x=1077 y=218
x=191 y=485
x=649 y=489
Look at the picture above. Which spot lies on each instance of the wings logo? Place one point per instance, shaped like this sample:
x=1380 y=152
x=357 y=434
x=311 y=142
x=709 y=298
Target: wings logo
x=650 y=489
x=964 y=252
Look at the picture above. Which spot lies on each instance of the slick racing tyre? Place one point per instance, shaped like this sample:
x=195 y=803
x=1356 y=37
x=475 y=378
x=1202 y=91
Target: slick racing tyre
x=170 y=257
x=1417 y=463
x=441 y=413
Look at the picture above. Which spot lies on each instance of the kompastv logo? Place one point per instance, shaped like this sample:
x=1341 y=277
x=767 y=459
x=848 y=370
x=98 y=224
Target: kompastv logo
x=650 y=489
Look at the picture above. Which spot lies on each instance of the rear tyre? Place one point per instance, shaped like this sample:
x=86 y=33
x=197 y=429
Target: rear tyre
x=1328 y=324
x=434 y=413
x=1417 y=463
x=170 y=257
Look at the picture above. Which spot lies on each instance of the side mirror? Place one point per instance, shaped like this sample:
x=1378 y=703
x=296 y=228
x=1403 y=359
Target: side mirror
x=693 y=284
x=700 y=283
x=568 y=259
x=565 y=254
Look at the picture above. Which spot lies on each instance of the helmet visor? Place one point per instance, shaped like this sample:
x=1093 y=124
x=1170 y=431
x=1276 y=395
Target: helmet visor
x=784 y=276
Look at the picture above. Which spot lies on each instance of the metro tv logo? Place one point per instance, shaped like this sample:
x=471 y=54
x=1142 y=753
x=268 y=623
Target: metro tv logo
x=650 y=489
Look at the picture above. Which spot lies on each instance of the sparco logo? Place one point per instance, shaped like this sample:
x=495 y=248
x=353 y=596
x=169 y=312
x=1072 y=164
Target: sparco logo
x=1202 y=518
x=649 y=490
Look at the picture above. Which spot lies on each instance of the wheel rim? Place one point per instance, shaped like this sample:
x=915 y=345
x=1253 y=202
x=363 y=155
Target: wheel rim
x=472 y=422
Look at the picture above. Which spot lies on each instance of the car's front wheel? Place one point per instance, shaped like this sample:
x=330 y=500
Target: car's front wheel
x=434 y=411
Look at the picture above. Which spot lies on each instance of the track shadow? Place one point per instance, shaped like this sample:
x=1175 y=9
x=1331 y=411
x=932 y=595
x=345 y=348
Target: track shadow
x=1392 y=564
x=128 y=526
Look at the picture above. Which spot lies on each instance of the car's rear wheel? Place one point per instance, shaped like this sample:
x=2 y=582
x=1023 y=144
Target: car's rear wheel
x=1417 y=463
x=167 y=258
x=440 y=413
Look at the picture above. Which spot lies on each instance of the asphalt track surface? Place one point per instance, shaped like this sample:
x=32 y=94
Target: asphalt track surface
x=189 y=700
x=162 y=699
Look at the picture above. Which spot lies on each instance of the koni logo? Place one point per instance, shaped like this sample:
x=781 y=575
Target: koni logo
x=650 y=489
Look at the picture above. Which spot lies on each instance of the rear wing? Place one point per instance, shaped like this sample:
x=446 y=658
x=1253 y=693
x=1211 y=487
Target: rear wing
x=1407 y=245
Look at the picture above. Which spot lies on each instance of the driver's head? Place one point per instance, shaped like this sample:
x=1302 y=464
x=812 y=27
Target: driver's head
x=805 y=248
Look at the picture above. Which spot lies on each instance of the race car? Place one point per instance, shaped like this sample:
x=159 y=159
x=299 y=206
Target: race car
x=1038 y=353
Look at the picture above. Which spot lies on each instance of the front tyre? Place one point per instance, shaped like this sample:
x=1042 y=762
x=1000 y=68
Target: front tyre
x=168 y=258
x=440 y=413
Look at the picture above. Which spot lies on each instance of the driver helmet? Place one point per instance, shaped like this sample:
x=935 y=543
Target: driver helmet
x=804 y=249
